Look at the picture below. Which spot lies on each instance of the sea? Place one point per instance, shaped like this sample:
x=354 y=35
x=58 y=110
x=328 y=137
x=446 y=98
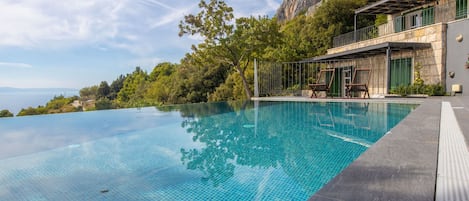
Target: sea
x=15 y=99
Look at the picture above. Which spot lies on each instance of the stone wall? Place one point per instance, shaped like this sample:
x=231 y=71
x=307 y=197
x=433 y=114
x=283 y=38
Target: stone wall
x=432 y=60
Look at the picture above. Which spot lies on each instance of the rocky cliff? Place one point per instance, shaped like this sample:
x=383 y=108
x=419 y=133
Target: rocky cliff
x=291 y=8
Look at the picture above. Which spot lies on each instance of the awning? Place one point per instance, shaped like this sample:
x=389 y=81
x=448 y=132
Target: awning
x=370 y=51
x=390 y=6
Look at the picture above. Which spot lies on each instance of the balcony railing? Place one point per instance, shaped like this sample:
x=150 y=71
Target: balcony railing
x=362 y=34
x=428 y=16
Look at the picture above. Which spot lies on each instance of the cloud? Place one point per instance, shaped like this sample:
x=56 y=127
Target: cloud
x=15 y=65
x=37 y=23
x=157 y=3
x=44 y=24
x=173 y=17
x=125 y=24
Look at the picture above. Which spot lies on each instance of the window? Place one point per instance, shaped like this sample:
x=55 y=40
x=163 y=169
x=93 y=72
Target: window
x=461 y=9
x=428 y=16
x=415 y=20
x=401 y=72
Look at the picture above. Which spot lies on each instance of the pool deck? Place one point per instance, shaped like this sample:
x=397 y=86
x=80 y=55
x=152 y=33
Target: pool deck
x=403 y=164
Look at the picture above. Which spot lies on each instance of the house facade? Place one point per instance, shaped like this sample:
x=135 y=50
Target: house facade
x=428 y=37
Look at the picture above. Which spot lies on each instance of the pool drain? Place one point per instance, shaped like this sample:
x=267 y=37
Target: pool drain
x=104 y=190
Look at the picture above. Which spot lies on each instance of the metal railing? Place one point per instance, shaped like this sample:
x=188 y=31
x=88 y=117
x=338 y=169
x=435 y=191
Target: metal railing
x=285 y=78
x=441 y=13
x=292 y=78
x=362 y=34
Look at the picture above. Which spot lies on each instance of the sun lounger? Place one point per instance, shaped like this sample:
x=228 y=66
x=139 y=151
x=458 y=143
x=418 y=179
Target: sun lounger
x=360 y=80
x=323 y=82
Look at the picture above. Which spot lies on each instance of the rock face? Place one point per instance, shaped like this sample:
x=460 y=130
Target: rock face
x=291 y=8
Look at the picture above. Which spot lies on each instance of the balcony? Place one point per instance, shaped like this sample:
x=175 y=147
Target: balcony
x=411 y=20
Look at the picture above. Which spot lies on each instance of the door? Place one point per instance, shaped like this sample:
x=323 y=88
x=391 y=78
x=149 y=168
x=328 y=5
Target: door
x=401 y=72
x=343 y=75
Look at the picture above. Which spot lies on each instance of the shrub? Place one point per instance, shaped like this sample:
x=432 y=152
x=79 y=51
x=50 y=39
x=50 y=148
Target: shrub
x=431 y=90
x=6 y=113
x=435 y=90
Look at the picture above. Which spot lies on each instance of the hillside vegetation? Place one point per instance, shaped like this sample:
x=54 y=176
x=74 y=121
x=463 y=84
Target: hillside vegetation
x=219 y=68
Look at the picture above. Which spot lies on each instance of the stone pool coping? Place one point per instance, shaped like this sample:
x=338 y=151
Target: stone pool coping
x=397 y=167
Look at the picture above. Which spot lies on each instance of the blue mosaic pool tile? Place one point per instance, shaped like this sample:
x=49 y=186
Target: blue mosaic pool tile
x=279 y=151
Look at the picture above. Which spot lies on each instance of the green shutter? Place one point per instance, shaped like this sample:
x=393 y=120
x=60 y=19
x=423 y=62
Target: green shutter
x=399 y=24
x=401 y=72
x=428 y=16
x=461 y=9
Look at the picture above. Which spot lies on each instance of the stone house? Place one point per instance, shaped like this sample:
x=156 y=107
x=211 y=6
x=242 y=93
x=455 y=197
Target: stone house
x=431 y=37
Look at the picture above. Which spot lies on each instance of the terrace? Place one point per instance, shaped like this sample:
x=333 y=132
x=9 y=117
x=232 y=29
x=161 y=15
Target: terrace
x=407 y=15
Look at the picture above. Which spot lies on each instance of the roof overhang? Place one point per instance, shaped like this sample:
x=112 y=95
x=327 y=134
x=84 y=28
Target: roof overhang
x=390 y=6
x=370 y=51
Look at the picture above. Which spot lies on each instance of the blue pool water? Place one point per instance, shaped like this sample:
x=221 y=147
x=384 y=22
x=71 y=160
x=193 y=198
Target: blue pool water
x=218 y=151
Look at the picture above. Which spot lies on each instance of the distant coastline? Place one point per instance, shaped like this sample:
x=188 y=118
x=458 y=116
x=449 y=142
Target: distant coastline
x=14 y=99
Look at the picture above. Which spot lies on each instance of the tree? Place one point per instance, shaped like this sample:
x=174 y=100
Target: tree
x=61 y=104
x=132 y=93
x=198 y=76
x=235 y=48
x=164 y=69
x=161 y=85
x=103 y=104
x=333 y=18
x=116 y=86
x=231 y=89
x=89 y=93
x=32 y=111
x=6 y=113
x=310 y=36
x=103 y=90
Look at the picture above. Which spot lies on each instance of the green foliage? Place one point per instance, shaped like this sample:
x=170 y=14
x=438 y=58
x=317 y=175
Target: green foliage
x=162 y=82
x=89 y=93
x=103 y=90
x=221 y=67
x=6 y=113
x=251 y=38
x=418 y=80
x=116 y=86
x=104 y=104
x=164 y=69
x=212 y=22
x=59 y=104
x=435 y=90
x=419 y=86
x=305 y=37
x=381 y=19
x=132 y=93
x=32 y=111
x=232 y=88
x=199 y=77
x=431 y=90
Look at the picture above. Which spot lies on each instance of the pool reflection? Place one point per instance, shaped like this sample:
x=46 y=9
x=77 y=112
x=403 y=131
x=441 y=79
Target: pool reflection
x=217 y=151
x=310 y=142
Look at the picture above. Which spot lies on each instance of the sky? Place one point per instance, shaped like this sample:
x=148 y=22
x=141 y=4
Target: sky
x=75 y=44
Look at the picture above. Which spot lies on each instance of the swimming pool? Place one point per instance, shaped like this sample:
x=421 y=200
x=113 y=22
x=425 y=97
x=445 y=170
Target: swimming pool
x=216 y=151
